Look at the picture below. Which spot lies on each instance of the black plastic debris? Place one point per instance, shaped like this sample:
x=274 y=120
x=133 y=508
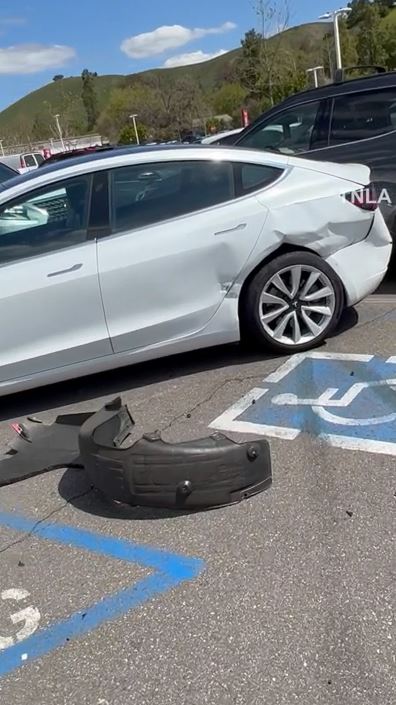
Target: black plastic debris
x=41 y=447
x=209 y=472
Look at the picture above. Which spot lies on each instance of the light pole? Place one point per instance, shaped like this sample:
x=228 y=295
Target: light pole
x=315 y=70
x=2 y=148
x=342 y=12
x=133 y=117
x=58 y=125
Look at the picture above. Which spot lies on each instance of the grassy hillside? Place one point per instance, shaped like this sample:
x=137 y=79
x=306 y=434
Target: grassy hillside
x=304 y=41
x=390 y=20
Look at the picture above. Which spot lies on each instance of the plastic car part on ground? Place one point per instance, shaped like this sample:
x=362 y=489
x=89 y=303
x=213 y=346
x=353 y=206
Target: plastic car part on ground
x=209 y=472
x=42 y=447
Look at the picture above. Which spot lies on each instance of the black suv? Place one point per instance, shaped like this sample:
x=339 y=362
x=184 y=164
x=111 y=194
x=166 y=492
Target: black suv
x=347 y=121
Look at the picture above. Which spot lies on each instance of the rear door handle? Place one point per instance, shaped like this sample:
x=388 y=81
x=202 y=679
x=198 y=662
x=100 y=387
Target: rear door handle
x=241 y=226
x=74 y=268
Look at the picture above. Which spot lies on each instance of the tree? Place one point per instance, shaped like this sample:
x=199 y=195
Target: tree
x=228 y=99
x=261 y=68
x=58 y=77
x=384 y=6
x=249 y=70
x=89 y=98
x=187 y=105
x=357 y=8
x=128 y=135
x=273 y=17
x=389 y=42
x=179 y=103
x=40 y=128
x=124 y=102
x=214 y=125
x=370 y=37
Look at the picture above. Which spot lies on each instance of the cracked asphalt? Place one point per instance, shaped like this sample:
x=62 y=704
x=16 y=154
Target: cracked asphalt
x=296 y=600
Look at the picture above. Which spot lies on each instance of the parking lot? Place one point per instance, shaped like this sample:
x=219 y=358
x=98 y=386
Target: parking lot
x=285 y=598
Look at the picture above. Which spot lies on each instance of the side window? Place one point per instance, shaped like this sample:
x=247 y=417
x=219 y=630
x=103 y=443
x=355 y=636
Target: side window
x=254 y=177
x=39 y=158
x=149 y=193
x=52 y=218
x=289 y=132
x=363 y=115
x=29 y=160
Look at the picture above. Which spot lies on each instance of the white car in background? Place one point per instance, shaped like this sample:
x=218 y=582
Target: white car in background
x=222 y=137
x=129 y=255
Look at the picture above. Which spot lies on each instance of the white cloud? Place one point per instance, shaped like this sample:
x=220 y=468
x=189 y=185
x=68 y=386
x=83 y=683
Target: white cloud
x=194 y=57
x=167 y=37
x=33 y=58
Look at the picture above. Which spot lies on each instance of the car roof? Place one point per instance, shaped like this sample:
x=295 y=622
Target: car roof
x=129 y=156
x=344 y=87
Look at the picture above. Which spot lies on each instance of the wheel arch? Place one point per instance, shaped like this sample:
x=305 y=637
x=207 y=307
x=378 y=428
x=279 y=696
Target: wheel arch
x=282 y=250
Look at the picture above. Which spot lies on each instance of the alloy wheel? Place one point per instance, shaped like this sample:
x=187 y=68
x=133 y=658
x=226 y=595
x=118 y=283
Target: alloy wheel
x=297 y=305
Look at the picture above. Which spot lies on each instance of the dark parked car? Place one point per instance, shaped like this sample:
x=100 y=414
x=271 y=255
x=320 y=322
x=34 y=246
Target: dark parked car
x=347 y=121
x=7 y=173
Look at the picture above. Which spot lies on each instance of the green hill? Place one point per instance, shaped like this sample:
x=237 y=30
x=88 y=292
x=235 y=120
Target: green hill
x=36 y=110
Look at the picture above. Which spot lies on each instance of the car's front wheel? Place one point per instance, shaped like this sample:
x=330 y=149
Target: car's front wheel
x=293 y=303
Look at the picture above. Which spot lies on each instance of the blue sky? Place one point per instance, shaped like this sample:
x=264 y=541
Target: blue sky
x=37 y=41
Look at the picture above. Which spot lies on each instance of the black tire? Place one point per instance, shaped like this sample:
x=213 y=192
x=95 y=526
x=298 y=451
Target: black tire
x=252 y=330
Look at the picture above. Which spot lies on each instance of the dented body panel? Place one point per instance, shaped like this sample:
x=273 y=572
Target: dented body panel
x=174 y=276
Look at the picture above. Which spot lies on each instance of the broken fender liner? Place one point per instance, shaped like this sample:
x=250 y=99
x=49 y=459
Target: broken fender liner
x=209 y=472
x=41 y=447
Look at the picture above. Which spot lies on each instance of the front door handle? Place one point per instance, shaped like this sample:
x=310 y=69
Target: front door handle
x=74 y=268
x=241 y=226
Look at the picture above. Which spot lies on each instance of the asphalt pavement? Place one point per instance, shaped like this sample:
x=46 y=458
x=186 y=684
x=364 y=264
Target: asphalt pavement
x=291 y=597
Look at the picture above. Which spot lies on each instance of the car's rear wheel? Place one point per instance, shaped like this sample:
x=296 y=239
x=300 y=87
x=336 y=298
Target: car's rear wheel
x=293 y=303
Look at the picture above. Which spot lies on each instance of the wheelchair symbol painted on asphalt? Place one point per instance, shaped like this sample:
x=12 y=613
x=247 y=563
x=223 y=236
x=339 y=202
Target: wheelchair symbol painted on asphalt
x=347 y=400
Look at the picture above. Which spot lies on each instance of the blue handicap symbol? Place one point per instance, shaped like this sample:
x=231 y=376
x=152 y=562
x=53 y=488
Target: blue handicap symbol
x=348 y=400
x=169 y=570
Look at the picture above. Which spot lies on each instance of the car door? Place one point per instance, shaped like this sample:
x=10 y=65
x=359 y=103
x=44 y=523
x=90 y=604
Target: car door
x=50 y=305
x=179 y=240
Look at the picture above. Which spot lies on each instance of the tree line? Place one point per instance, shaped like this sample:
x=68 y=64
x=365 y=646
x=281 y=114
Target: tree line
x=267 y=69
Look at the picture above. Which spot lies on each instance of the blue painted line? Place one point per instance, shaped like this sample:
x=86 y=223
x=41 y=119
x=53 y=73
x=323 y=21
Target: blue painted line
x=170 y=568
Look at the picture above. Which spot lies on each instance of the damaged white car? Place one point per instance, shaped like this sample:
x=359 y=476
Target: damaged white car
x=134 y=254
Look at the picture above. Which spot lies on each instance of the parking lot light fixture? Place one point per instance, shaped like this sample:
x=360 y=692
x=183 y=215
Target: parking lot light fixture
x=59 y=128
x=133 y=118
x=334 y=15
x=315 y=70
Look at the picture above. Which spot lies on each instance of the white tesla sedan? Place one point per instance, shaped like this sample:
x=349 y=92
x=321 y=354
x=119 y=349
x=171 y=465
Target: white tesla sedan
x=134 y=254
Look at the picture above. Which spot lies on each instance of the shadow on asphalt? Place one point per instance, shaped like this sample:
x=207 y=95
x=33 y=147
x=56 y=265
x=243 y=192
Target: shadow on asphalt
x=115 y=382
x=75 y=489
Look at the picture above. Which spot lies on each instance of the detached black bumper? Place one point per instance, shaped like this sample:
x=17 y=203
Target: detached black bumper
x=211 y=472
